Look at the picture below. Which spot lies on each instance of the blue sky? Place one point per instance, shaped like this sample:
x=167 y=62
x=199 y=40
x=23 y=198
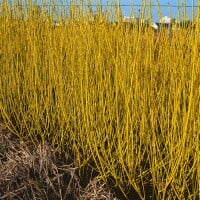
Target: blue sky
x=169 y=9
x=166 y=11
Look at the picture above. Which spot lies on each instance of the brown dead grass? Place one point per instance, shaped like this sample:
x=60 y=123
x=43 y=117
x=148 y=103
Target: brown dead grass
x=27 y=172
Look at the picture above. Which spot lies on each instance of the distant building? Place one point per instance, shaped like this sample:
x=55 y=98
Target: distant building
x=136 y=20
x=164 y=23
x=129 y=19
x=166 y=20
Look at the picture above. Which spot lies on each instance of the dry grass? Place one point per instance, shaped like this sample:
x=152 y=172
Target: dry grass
x=41 y=173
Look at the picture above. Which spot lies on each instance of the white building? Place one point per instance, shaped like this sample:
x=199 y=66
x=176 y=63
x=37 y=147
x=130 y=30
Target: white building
x=166 y=20
x=129 y=19
x=135 y=20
